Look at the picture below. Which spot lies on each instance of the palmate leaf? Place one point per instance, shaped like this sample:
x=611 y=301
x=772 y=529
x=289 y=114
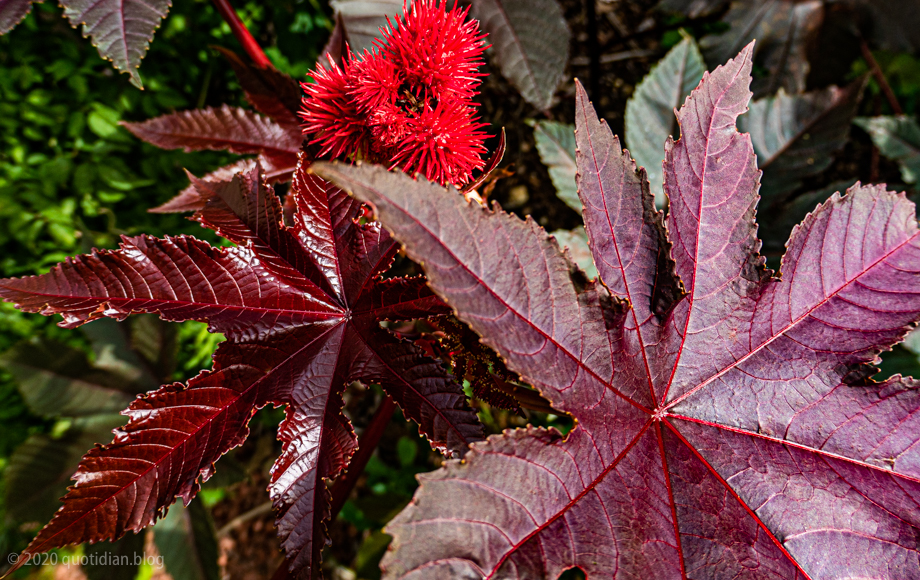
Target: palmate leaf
x=725 y=427
x=270 y=92
x=300 y=307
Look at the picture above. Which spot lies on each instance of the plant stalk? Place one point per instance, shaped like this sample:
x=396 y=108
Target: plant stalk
x=341 y=489
x=880 y=78
x=242 y=34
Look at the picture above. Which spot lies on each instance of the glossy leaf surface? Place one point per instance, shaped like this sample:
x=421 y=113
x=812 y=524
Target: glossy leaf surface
x=227 y=128
x=300 y=307
x=530 y=38
x=725 y=427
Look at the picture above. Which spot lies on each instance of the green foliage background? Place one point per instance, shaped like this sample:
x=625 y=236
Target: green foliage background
x=72 y=179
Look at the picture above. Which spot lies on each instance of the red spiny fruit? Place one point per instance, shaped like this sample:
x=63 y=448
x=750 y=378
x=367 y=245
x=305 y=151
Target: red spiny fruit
x=444 y=144
x=377 y=82
x=331 y=114
x=409 y=102
x=436 y=50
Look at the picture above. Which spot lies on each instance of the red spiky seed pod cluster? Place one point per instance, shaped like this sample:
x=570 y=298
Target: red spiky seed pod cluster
x=409 y=102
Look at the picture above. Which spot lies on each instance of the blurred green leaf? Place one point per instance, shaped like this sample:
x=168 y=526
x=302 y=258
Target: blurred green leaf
x=118 y=560
x=650 y=115
x=897 y=138
x=406 y=451
x=556 y=145
x=187 y=542
x=577 y=243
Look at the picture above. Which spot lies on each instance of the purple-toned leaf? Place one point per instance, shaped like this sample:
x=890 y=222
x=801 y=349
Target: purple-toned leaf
x=12 y=12
x=301 y=307
x=189 y=199
x=531 y=42
x=783 y=29
x=725 y=424
x=178 y=278
x=227 y=128
x=121 y=29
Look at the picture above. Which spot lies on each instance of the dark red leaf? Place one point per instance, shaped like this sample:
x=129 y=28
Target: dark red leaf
x=301 y=307
x=189 y=199
x=491 y=165
x=718 y=432
x=268 y=90
x=227 y=128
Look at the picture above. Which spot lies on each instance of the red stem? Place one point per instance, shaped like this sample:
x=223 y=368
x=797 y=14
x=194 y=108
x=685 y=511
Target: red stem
x=242 y=34
x=341 y=489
